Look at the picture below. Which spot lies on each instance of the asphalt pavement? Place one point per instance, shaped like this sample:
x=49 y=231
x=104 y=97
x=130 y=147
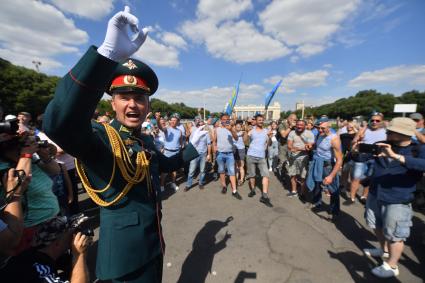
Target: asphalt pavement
x=211 y=237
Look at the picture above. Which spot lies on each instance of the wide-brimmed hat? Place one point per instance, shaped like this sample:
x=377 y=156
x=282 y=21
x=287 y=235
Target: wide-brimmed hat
x=402 y=125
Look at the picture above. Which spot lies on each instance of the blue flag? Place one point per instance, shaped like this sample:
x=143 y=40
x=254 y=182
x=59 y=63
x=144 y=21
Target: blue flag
x=270 y=95
x=232 y=102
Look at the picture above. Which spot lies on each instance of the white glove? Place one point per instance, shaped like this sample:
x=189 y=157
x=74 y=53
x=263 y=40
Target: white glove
x=118 y=45
x=197 y=135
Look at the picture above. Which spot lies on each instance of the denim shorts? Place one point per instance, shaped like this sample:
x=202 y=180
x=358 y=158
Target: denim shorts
x=396 y=221
x=362 y=170
x=251 y=164
x=226 y=160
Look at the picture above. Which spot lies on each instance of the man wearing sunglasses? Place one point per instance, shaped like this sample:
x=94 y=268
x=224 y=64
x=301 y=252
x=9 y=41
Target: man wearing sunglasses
x=363 y=162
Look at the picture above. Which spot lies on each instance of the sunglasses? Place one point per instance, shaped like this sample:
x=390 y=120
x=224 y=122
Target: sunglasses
x=376 y=121
x=322 y=128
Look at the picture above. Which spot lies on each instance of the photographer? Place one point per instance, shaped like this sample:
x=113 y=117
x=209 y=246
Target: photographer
x=38 y=264
x=40 y=203
x=398 y=166
x=12 y=216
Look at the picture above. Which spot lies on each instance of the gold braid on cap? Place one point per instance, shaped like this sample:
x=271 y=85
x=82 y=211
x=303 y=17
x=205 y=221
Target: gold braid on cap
x=132 y=174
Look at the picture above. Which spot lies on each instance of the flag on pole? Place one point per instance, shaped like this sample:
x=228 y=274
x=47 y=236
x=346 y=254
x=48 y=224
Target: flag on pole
x=232 y=102
x=270 y=95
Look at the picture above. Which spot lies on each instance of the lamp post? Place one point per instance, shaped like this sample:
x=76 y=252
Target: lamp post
x=37 y=65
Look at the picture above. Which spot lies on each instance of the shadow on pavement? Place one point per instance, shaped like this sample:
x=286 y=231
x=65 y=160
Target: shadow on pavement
x=242 y=275
x=415 y=242
x=357 y=264
x=359 y=267
x=199 y=261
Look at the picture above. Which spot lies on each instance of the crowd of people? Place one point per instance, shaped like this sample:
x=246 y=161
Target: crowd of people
x=42 y=231
x=309 y=157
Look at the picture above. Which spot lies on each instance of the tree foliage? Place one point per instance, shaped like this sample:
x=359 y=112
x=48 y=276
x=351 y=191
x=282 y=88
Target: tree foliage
x=23 y=89
x=366 y=101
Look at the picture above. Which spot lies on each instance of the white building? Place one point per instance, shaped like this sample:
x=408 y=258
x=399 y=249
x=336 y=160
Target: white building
x=245 y=111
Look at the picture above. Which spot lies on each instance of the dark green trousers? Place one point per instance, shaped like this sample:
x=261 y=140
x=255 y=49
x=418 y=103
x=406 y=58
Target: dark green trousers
x=149 y=273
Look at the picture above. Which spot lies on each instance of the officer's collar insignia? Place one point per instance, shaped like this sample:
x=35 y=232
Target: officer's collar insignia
x=130 y=64
x=124 y=129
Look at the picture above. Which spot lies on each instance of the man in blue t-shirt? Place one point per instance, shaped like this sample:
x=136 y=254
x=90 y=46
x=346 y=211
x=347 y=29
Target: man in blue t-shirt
x=397 y=169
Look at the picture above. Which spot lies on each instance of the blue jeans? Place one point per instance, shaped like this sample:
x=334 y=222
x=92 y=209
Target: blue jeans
x=200 y=160
x=317 y=192
x=226 y=160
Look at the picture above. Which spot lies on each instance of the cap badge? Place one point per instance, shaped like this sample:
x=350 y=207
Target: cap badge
x=130 y=64
x=130 y=80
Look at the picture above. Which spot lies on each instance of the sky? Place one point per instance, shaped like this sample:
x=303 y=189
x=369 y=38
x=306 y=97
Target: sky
x=323 y=50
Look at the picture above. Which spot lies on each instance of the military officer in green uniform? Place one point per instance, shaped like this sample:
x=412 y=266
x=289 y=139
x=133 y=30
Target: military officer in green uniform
x=119 y=166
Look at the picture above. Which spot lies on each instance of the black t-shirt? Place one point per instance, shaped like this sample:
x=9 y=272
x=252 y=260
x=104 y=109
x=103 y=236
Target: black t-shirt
x=346 y=140
x=30 y=266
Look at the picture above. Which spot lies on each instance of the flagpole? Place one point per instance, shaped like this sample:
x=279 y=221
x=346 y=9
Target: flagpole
x=204 y=104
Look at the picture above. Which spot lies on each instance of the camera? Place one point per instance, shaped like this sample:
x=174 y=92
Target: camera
x=370 y=148
x=9 y=127
x=41 y=143
x=85 y=231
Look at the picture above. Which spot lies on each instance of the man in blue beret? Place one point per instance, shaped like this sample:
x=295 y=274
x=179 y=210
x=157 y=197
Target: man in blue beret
x=118 y=165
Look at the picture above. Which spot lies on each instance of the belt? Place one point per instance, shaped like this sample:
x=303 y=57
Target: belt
x=173 y=150
x=226 y=152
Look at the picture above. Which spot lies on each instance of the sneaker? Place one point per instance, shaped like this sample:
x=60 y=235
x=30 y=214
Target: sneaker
x=201 y=187
x=270 y=169
x=174 y=187
x=385 y=271
x=237 y=195
x=266 y=201
x=224 y=190
x=251 y=193
x=292 y=194
x=349 y=202
x=186 y=189
x=316 y=208
x=377 y=252
x=162 y=189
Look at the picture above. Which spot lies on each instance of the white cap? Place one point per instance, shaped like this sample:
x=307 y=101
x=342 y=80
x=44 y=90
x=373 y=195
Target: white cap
x=9 y=117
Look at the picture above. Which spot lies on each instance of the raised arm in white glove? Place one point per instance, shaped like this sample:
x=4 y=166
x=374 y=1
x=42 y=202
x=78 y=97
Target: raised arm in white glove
x=197 y=135
x=118 y=45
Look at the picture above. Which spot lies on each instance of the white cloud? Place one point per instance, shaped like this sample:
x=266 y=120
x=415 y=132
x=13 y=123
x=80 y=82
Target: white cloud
x=32 y=30
x=214 y=97
x=162 y=48
x=93 y=9
x=308 y=27
x=157 y=53
x=295 y=80
x=174 y=39
x=218 y=10
x=412 y=75
x=225 y=37
x=327 y=66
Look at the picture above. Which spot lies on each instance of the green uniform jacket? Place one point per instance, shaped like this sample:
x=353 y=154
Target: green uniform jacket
x=130 y=231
